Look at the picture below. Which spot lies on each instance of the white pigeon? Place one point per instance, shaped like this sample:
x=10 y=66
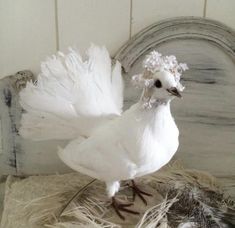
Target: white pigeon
x=82 y=100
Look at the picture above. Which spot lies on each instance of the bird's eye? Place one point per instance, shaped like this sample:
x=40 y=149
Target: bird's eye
x=158 y=83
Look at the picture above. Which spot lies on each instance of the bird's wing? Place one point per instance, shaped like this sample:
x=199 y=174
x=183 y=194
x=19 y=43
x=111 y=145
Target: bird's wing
x=103 y=158
x=106 y=155
x=71 y=96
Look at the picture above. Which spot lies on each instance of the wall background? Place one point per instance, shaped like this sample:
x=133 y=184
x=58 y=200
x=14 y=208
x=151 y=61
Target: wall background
x=30 y=30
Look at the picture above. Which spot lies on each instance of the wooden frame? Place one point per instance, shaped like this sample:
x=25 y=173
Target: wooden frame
x=176 y=28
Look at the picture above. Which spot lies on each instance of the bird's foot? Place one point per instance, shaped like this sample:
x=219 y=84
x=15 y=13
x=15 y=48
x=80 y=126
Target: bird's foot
x=137 y=191
x=118 y=207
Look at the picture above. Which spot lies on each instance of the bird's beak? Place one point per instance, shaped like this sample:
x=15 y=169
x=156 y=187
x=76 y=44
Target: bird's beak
x=174 y=91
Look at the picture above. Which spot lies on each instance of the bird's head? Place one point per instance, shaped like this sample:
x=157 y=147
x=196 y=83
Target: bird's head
x=161 y=78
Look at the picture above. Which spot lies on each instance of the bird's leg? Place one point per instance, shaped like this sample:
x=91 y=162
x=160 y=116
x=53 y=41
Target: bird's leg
x=137 y=191
x=118 y=207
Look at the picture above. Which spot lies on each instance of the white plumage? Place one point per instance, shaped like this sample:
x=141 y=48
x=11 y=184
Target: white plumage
x=72 y=97
x=82 y=101
x=135 y=144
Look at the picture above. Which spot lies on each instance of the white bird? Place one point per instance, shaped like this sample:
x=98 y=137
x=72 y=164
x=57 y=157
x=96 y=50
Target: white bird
x=81 y=100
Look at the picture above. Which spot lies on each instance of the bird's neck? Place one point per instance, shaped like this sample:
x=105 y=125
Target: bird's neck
x=153 y=111
x=147 y=101
x=157 y=120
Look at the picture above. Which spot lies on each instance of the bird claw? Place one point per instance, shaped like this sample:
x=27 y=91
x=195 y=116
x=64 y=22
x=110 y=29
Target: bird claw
x=122 y=207
x=137 y=191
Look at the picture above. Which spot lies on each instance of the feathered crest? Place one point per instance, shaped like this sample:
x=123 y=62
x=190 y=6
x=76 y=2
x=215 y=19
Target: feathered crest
x=156 y=62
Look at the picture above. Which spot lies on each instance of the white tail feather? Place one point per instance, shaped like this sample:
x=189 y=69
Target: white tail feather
x=71 y=96
x=117 y=85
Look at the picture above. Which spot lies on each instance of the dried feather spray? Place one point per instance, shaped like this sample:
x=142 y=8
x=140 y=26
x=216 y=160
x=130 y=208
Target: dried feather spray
x=197 y=201
x=202 y=208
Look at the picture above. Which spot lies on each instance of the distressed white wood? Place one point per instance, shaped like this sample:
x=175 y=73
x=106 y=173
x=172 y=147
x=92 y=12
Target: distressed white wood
x=40 y=158
x=105 y=22
x=2 y=193
x=145 y=13
x=27 y=34
x=221 y=10
x=176 y=28
x=8 y=162
x=1 y=146
x=20 y=156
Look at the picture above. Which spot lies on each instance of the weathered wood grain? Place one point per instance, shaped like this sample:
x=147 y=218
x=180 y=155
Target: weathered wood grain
x=10 y=114
x=172 y=29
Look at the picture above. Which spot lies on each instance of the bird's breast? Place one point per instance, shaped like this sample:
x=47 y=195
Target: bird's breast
x=156 y=143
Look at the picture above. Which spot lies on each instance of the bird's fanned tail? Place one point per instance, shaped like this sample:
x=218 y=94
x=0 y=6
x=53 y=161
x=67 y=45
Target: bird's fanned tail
x=72 y=96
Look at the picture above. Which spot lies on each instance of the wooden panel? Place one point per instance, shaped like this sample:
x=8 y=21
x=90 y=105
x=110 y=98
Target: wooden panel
x=20 y=156
x=222 y=11
x=145 y=13
x=104 y=22
x=1 y=145
x=40 y=157
x=8 y=162
x=27 y=31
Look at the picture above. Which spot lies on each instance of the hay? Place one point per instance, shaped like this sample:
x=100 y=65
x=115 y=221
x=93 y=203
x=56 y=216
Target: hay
x=181 y=198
